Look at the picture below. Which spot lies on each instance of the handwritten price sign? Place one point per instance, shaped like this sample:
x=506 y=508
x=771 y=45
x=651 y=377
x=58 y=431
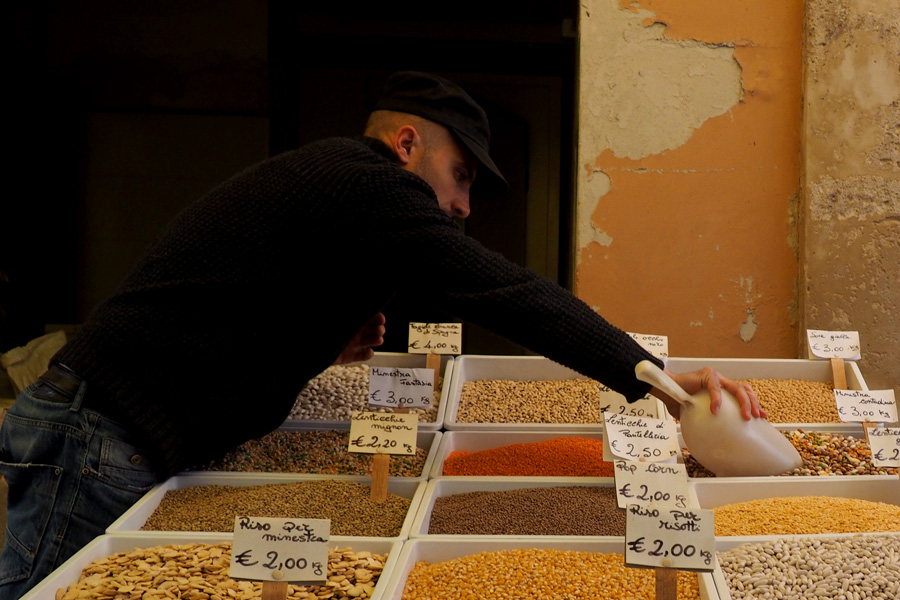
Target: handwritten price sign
x=833 y=344
x=383 y=433
x=435 y=338
x=663 y=484
x=670 y=538
x=657 y=345
x=269 y=549
x=885 y=445
x=394 y=387
x=638 y=438
x=612 y=401
x=869 y=406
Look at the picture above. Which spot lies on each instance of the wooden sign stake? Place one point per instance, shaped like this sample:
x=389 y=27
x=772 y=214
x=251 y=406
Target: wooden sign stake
x=274 y=590
x=381 y=466
x=866 y=427
x=666 y=583
x=838 y=373
x=433 y=361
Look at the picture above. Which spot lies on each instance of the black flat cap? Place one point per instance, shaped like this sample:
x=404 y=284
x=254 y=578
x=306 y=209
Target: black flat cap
x=444 y=102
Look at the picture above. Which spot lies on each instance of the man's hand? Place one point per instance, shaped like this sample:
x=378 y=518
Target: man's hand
x=360 y=347
x=713 y=381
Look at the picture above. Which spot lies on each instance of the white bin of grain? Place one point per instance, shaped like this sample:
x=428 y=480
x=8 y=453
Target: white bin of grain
x=427 y=440
x=800 y=506
x=506 y=503
x=398 y=360
x=522 y=369
x=136 y=517
x=106 y=545
x=782 y=369
x=433 y=550
x=808 y=567
x=476 y=441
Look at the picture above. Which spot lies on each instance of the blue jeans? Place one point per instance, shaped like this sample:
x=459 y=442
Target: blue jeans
x=71 y=473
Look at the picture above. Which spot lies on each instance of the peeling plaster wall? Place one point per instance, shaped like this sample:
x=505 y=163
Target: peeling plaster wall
x=851 y=187
x=687 y=195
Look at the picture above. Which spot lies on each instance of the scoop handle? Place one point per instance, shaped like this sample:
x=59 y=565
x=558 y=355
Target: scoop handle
x=648 y=372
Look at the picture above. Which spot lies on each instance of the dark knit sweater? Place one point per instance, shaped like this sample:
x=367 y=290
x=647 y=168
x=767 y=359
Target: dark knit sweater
x=258 y=286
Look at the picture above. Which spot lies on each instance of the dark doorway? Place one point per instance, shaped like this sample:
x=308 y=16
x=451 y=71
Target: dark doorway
x=517 y=58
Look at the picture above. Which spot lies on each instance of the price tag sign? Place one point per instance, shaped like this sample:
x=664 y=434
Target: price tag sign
x=290 y=550
x=657 y=345
x=612 y=401
x=645 y=483
x=395 y=387
x=435 y=338
x=670 y=538
x=383 y=433
x=885 y=445
x=866 y=406
x=638 y=438
x=833 y=344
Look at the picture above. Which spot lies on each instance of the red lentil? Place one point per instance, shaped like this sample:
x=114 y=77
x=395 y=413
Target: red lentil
x=559 y=457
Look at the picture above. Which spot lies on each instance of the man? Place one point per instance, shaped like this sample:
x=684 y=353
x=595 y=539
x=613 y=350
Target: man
x=273 y=276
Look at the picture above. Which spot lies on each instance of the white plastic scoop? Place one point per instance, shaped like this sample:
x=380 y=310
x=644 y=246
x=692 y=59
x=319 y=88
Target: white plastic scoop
x=726 y=443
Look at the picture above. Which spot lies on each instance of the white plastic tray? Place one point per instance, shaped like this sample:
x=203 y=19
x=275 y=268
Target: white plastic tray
x=429 y=440
x=515 y=368
x=768 y=368
x=449 y=486
x=134 y=518
x=400 y=360
x=70 y=571
x=723 y=544
x=712 y=492
x=441 y=549
x=537 y=368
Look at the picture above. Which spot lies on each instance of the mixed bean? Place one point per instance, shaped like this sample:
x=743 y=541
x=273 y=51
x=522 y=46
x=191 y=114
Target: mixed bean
x=822 y=454
x=339 y=390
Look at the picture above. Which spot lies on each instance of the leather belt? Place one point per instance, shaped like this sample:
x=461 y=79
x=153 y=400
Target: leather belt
x=62 y=379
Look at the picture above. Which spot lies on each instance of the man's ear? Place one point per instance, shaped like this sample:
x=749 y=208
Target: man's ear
x=405 y=139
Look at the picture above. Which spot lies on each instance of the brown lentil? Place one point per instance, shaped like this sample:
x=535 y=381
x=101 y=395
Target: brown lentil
x=822 y=454
x=806 y=514
x=547 y=574
x=796 y=400
x=316 y=452
x=339 y=390
x=859 y=567
x=571 y=510
x=346 y=503
x=507 y=401
x=200 y=572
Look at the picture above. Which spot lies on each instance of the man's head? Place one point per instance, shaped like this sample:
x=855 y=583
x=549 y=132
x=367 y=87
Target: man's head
x=440 y=133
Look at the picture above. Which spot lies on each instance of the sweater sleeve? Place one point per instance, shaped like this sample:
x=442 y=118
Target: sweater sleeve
x=483 y=287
